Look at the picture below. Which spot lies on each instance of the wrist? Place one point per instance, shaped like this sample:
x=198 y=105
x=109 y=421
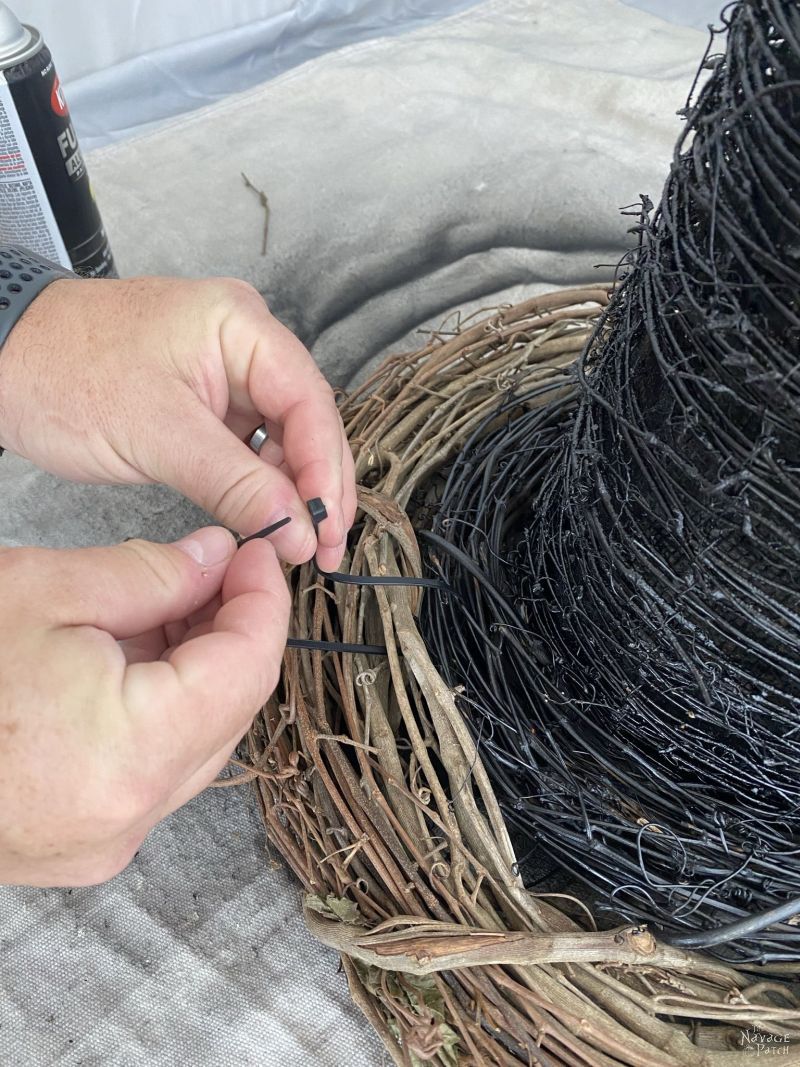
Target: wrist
x=24 y=275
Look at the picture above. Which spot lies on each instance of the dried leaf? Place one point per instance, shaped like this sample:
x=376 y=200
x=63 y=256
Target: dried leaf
x=333 y=907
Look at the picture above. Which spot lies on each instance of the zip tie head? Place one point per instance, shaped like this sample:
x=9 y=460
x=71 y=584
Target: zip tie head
x=317 y=511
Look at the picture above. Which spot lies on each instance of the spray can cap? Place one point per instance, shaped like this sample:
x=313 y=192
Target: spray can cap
x=14 y=37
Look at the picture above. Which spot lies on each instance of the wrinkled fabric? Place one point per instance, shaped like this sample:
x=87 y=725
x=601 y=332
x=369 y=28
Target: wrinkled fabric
x=469 y=162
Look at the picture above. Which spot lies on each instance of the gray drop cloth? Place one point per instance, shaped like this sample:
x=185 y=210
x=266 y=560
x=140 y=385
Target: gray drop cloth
x=467 y=163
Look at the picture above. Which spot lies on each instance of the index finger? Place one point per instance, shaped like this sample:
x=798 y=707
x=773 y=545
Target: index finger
x=287 y=387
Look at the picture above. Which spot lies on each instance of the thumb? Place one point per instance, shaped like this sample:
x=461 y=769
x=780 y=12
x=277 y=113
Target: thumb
x=130 y=588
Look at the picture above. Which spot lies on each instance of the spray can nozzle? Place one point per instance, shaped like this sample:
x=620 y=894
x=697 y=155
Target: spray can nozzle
x=13 y=35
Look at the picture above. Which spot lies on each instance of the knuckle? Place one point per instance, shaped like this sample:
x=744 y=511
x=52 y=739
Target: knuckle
x=240 y=498
x=234 y=293
x=317 y=385
x=324 y=385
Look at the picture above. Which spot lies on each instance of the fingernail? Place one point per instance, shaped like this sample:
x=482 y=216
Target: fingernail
x=209 y=546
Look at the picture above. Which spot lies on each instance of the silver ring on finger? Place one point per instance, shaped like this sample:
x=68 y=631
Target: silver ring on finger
x=258 y=438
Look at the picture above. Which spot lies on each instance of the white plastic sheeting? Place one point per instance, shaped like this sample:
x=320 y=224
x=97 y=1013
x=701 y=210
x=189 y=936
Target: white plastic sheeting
x=128 y=64
x=131 y=63
x=696 y=13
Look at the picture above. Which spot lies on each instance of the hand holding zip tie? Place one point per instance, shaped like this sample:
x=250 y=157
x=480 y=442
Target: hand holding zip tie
x=162 y=380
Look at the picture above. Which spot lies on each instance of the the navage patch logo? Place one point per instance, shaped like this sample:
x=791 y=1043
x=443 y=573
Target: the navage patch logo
x=760 y=1044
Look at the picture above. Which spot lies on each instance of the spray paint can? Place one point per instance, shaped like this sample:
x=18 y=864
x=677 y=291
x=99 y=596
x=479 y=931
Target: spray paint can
x=46 y=201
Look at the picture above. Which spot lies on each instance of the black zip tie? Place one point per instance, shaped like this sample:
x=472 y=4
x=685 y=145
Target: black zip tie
x=318 y=513
x=300 y=642
x=335 y=646
x=262 y=533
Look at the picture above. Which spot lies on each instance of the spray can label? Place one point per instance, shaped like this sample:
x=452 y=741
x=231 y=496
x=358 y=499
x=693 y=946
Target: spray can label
x=46 y=199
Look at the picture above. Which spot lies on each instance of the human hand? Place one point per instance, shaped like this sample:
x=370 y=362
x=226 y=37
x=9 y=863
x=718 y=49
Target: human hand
x=162 y=380
x=128 y=676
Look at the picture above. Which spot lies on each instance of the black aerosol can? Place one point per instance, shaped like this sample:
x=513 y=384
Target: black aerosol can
x=46 y=201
